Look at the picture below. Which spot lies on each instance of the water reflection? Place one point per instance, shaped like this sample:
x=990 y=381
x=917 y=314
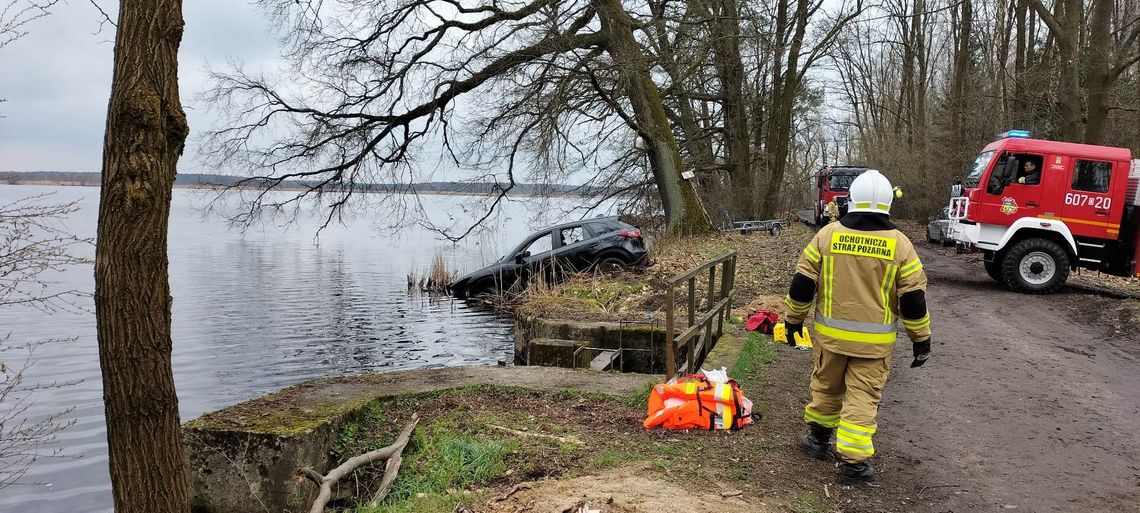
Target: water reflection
x=255 y=312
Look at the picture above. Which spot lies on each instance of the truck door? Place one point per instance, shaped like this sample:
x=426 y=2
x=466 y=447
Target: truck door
x=1088 y=199
x=1021 y=196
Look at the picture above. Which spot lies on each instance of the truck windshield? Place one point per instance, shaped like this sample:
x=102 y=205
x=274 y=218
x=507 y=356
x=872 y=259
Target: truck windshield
x=978 y=168
x=841 y=182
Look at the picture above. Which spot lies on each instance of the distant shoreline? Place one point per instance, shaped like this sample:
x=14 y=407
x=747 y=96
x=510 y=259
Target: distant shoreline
x=287 y=188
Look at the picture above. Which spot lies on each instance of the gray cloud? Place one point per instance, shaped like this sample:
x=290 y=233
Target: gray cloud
x=58 y=78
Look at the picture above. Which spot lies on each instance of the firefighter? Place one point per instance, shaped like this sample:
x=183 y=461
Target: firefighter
x=1032 y=175
x=863 y=276
x=832 y=211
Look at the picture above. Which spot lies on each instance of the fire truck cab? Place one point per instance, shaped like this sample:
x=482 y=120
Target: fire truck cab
x=831 y=183
x=1039 y=209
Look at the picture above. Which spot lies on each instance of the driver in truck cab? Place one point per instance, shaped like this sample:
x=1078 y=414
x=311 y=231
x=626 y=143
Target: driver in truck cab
x=1031 y=175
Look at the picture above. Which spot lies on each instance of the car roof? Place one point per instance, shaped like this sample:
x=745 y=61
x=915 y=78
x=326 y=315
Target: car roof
x=579 y=222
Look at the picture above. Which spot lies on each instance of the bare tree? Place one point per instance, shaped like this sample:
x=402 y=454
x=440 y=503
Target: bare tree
x=145 y=136
x=498 y=86
x=16 y=15
x=32 y=242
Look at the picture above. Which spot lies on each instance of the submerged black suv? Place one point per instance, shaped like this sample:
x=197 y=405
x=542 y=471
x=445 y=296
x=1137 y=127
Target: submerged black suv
x=603 y=243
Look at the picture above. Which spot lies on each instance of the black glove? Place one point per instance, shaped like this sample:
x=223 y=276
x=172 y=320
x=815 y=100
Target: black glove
x=792 y=331
x=921 y=353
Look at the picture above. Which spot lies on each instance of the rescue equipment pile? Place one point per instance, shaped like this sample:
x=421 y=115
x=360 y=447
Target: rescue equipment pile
x=709 y=400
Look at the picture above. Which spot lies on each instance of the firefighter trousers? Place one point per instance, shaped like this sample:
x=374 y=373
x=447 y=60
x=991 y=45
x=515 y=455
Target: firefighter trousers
x=845 y=395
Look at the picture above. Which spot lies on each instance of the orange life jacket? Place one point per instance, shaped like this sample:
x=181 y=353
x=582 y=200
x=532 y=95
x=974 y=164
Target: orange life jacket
x=693 y=402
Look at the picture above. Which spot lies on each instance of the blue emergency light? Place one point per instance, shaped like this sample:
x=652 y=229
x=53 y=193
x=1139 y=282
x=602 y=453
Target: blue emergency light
x=1015 y=134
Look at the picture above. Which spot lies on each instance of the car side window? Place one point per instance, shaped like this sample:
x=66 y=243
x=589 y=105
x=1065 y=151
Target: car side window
x=541 y=245
x=572 y=235
x=600 y=227
x=1092 y=176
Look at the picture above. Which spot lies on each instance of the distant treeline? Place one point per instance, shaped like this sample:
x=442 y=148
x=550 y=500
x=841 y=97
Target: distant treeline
x=205 y=180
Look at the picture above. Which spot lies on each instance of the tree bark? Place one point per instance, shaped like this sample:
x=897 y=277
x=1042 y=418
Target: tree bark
x=957 y=99
x=145 y=133
x=1099 y=76
x=783 y=98
x=725 y=32
x=683 y=212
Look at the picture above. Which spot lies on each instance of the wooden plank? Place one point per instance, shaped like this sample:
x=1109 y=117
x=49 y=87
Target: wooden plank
x=676 y=280
x=670 y=343
x=692 y=300
x=604 y=360
x=705 y=317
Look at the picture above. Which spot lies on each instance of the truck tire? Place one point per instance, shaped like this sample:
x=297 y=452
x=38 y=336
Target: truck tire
x=1035 y=266
x=994 y=269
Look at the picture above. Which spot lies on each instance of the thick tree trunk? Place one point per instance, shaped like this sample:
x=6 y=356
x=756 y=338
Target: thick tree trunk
x=683 y=213
x=146 y=129
x=696 y=147
x=1099 y=76
x=730 y=72
x=1020 y=97
x=783 y=102
x=1069 y=62
x=957 y=99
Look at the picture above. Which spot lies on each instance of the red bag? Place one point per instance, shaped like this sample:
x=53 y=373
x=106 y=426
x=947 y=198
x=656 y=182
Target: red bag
x=762 y=321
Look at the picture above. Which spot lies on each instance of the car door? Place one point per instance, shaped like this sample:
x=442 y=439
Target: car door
x=540 y=260
x=574 y=243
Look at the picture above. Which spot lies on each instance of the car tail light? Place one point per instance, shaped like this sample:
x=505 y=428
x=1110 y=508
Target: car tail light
x=630 y=234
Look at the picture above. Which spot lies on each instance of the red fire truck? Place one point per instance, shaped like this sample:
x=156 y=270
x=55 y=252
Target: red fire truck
x=831 y=183
x=1038 y=209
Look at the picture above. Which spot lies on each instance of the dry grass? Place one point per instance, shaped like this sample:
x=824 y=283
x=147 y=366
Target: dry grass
x=433 y=279
x=765 y=265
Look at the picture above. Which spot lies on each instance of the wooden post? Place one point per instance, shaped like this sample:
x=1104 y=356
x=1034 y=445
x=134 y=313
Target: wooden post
x=691 y=343
x=670 y=345
x=709 y=323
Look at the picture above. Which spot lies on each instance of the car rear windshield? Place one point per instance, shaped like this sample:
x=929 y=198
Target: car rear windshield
x=602 y=226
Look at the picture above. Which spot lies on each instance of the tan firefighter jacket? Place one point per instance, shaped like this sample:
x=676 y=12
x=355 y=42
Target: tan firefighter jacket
x=859 y=278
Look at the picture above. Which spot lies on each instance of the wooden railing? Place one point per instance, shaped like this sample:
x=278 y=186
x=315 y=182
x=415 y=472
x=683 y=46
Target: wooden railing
x=695 y=341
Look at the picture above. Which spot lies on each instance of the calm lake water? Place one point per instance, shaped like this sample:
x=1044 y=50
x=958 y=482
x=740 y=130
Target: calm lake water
x=256 y=312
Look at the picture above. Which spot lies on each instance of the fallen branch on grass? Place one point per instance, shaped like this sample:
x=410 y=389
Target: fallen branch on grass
x=563 y=439
x=392 y=453
x=514 y=489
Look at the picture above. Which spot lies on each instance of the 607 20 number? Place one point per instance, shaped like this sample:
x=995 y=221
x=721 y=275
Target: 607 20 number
x=1084 y=200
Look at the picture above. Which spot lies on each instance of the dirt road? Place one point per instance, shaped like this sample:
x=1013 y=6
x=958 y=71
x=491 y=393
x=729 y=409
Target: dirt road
x=1030 y=403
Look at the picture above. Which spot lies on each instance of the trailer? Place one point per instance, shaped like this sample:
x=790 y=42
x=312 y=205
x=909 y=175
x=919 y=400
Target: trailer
x=774 y=227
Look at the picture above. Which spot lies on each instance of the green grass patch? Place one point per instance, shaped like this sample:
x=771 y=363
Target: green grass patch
x=756 y=353
x=608 y=459
x=429 y=503
x=809 y=503
x=639 y=399
x=444 y=458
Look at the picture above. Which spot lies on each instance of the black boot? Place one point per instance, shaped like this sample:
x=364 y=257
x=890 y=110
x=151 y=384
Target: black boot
x=856 y=473
x=817 y=443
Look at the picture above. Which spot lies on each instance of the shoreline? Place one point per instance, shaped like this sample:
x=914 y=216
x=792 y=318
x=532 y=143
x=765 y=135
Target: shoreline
x=70 y=183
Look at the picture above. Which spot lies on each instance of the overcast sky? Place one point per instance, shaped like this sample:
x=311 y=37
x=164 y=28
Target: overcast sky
x=58 y=78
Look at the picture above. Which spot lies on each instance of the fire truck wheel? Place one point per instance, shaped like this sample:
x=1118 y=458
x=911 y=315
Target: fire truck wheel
x=994 y=269
x=1035 y=266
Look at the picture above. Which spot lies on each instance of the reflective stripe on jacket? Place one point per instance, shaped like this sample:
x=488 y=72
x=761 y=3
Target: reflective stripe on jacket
x=859 y=278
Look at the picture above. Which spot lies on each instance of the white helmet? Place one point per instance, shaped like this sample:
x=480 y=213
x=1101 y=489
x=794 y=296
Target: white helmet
x=870 y=192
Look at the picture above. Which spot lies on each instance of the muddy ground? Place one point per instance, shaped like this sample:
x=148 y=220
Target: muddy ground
x=1029 y=403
